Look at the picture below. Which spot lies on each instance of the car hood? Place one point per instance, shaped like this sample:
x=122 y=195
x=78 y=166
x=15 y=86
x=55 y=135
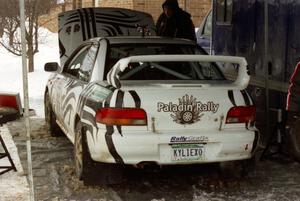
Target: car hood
x=77 y=26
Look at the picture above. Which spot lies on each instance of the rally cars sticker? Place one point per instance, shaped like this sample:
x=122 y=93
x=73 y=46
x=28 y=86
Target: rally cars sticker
x=189 y=139
x=188 y=110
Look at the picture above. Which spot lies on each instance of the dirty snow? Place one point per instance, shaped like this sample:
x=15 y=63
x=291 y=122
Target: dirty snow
x=13 y=185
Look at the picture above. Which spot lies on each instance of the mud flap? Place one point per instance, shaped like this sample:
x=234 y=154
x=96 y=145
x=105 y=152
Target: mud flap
x=96 y=173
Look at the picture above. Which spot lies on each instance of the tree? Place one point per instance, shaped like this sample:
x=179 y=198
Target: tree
x=9 y=15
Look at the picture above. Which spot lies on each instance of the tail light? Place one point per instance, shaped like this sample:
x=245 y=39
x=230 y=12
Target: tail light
x=241 y=114
x=122 y=116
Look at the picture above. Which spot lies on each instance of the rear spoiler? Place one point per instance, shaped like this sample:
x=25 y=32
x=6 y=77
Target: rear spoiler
x=240 y=83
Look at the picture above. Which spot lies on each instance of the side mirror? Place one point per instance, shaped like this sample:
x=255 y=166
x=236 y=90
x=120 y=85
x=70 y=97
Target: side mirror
x=51 y=67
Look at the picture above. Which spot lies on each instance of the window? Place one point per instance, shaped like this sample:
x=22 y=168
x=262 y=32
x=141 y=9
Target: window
x=86 y=68
x=75 y=64
x=208 y=26
x=224 y=11
x=82 y=64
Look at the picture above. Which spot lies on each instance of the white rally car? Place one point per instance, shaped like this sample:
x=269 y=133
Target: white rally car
x=148 y=101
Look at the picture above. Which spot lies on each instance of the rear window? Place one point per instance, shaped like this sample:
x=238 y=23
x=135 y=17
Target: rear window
x=162 y=70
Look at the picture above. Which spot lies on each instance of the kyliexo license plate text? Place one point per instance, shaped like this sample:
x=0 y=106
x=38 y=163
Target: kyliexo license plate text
x=187 y=152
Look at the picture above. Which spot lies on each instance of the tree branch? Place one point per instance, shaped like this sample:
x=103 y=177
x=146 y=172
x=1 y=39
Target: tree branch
x=11 y=51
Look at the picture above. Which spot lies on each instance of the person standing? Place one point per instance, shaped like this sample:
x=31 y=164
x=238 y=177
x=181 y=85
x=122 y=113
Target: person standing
x=293 y=114
x=175 y=22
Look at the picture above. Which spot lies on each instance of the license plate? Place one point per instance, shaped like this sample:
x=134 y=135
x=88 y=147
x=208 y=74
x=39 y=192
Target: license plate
x=187 y=152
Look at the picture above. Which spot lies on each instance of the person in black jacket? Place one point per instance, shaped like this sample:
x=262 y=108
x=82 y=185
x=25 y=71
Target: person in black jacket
x=174 y=22
x=293 y=113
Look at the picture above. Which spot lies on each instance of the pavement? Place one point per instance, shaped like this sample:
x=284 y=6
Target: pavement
x=13 y=184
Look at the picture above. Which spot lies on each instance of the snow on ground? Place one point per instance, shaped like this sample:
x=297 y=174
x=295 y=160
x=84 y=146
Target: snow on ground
x=13 y=185
x=11 y=79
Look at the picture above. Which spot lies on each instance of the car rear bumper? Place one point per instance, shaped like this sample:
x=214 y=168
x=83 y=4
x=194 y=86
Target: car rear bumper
x=173 y=148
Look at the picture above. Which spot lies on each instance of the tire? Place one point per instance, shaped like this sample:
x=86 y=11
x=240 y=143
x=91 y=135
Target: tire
x=88 y=170
x=52 y=126
x=78 y=154
x=294 y=140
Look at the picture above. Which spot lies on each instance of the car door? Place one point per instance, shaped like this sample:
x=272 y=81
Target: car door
x=77 y=75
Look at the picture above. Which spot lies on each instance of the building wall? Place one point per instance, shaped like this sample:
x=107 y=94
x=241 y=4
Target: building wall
x=197 y=8
x=117 y=3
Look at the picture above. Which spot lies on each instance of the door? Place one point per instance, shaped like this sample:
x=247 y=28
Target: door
x=77 y=74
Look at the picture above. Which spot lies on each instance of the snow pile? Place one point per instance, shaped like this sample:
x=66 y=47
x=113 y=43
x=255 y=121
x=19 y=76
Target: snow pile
x=11 y=79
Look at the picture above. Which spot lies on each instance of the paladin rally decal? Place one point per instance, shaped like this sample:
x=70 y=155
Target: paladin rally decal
x=188 y=110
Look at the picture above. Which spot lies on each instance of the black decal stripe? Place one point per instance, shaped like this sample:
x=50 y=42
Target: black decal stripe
x=93 y=22
x=73 y=14
x=72 y=17
x=90 y=128
x=246 y=98
x=119 y=100
x=69 y=97
x=110 y=30
x=91 y=118
x=118 y=14
x=82 y=25
x=108 y=77
x=87 y=21
x=71 y=85
x=116 y=79
x=82 y=97
x=66 y=110
x=136 y=98
x=107 y=101
x=71 y=22
x=117 y=25
x=117 y=19
x=111 y=146
x=119 y=104
x=231 y=97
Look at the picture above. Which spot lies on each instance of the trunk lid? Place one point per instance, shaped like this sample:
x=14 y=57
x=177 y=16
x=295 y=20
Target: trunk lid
x=173 y=108
x=77 y=26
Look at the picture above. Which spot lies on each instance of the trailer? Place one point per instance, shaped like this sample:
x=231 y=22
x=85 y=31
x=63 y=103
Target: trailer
x=266 y=33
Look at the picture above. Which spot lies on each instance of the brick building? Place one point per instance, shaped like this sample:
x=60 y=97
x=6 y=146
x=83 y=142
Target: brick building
x=197 y=8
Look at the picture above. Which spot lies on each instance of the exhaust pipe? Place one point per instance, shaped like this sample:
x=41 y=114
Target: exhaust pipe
x=149 y=166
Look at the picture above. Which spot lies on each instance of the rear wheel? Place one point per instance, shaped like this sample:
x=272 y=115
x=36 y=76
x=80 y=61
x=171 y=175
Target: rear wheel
x=88 y=170
x=50 y=117
x=78 y=154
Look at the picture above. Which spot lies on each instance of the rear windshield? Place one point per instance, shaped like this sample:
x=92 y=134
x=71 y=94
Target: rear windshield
x=162 y=70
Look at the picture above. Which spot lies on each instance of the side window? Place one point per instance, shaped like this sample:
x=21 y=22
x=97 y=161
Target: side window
x=224 y=11
x=82 y=64
x=86 y=68
x=75 y=64
x=208 y=26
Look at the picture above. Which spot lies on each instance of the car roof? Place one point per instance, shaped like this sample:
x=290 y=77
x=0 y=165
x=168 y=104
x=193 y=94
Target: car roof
x=147 y=39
